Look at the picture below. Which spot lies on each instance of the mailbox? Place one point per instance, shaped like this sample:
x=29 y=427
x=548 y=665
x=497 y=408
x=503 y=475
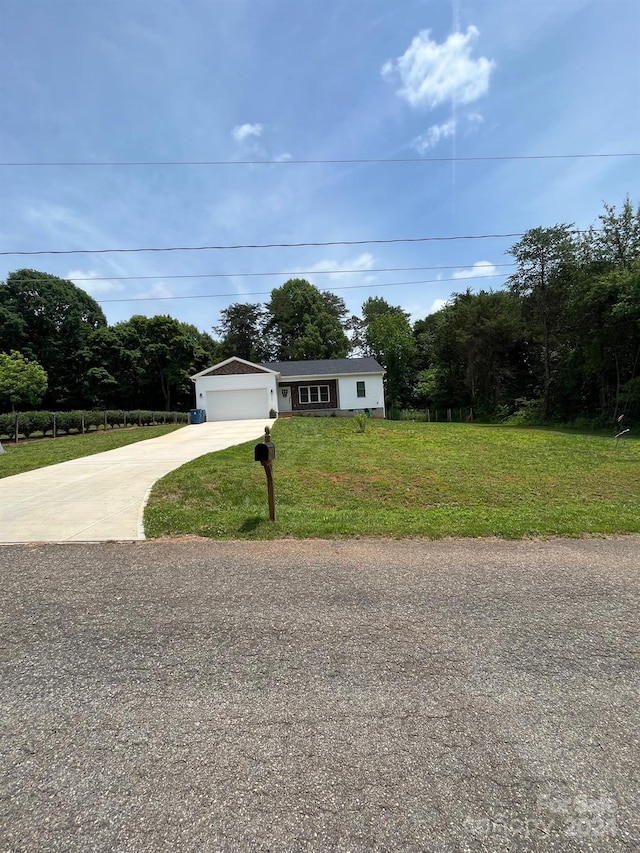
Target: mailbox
x=265 y=452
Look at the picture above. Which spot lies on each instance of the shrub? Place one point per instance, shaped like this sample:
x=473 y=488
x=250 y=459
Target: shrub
x=360 y=422
x=30 y=422
x=7 y=425
x=115 y=417
x=527 y=413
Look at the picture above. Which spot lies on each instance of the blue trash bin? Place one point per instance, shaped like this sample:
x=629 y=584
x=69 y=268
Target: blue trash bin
x=196 y=416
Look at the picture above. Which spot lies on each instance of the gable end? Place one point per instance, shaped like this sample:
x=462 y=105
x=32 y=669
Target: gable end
x=234 y=368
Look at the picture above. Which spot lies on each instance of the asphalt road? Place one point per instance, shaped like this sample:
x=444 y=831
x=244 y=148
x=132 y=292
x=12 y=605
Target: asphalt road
x=347 y=696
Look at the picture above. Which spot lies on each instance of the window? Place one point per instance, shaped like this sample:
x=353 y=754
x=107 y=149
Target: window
x=308 y=394
x=360 y=389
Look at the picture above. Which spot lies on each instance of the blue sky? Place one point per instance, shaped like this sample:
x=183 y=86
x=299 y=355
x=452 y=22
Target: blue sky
x=232 y=80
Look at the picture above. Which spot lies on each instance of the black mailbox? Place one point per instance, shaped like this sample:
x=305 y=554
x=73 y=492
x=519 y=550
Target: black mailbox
x=265 y=452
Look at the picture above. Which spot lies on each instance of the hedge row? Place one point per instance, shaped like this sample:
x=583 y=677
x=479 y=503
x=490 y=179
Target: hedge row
x=55 y=423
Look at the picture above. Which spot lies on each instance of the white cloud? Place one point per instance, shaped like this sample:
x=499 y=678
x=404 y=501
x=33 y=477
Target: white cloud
x=158 y=290
x=479 y=270
x=91 y=282
x=432 y=74
x=475 y=119
x=245 y=131
x=282 y=158
x=437 y=305
x=431 y=138
x=336 y=269
x=419 y=312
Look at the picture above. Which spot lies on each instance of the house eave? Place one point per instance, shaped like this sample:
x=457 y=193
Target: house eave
x=318 y=376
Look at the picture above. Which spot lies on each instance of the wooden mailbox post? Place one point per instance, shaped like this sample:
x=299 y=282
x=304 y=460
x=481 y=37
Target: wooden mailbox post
x=265 y=453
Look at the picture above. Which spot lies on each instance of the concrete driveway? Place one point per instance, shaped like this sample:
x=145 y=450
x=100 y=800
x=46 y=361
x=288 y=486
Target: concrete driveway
x=418 y=697
x=102 y=497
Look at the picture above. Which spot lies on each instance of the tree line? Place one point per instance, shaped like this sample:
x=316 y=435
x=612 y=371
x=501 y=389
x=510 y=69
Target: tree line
x=560 y=341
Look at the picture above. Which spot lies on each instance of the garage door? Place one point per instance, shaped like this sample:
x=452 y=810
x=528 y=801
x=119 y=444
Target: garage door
x=237 y=405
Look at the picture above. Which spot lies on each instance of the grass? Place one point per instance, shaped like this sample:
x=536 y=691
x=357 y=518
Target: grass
x=39 y=453
x=402 y=479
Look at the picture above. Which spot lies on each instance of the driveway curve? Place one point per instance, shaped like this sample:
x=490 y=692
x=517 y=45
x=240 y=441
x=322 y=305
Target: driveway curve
x=102 y=497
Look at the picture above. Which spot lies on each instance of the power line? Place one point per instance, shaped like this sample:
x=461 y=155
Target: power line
x=310 y=162
x=264 y=274
x=370 y=285
x=268 y=245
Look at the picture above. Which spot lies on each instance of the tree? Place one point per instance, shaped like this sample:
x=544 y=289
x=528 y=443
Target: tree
x=390 y=341
x=50 y=320
x=544 y=257
x=145 y=362
x=616 y=242
x=21 y=381
x=483 y=338
x=376 y=306
x=302 y=325
x=604 y=314
x=242 y=329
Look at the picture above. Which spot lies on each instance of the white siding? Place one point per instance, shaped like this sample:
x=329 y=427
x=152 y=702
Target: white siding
x=252 y=383
x=374 y=393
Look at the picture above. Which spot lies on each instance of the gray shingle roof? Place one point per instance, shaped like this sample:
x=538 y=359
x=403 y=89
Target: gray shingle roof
x=325 y=367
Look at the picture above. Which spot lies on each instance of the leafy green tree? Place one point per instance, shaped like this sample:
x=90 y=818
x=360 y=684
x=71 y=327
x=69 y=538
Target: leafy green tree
x=545 y=259
x=241 y=328
x=615 y=243
x=390 y=340
x=21 y=380
x=146 y=362
x=604 y=314
x=376 y=306
x=50 y=320
x=302 y=326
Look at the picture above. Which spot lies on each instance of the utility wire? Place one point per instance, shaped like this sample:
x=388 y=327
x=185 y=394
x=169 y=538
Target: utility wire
x=269 y=245
x=262 y=274
x=336 y=161
x=370 y=285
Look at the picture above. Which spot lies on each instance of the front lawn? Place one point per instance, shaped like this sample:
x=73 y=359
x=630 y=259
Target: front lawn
x=406 y=479
x=38 y=453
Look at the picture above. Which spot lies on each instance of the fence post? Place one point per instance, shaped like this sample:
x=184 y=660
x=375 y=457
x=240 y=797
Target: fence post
x=449 y=415
x=105 y=420
x=55 y=433
x=82 y=424
x=17 y=426
x=428 y=415
x=125 y=419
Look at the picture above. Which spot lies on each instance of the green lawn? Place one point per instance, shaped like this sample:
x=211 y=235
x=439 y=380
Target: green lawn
x=406 y=479
x=49 y=451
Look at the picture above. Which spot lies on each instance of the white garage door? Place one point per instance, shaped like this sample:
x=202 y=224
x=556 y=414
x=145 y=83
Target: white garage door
x=237 y=405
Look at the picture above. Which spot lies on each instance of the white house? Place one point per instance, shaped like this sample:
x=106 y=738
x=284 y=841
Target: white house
x=236 y=389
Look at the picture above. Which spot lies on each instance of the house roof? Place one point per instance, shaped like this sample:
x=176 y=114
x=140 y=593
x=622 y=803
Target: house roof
x=234 y=358
x=325 y=367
